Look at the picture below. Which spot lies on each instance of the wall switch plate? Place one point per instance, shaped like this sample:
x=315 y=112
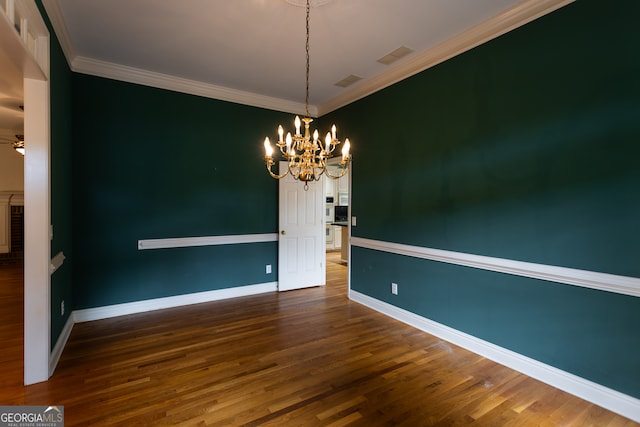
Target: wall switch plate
x=353 y=221
x=62 y=308
x=394 y=288
x=268 y=269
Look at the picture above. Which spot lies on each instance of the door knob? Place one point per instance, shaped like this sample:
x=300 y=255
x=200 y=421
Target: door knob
x=283 y=232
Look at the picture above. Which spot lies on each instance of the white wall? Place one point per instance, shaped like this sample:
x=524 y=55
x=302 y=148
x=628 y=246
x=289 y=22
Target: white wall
x=11 y=169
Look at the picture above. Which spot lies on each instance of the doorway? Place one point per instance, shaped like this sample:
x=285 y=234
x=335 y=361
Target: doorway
x=301 y=243
x=22 y=22
x=327 y=194
x=337 y=209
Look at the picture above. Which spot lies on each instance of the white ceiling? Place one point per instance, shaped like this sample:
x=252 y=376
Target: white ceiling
x=11 y=95
x=253 y=51
x=258 y=46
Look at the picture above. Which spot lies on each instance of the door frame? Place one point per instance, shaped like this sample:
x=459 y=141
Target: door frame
x=34 y=65
x=332 y=161
x=320 y=214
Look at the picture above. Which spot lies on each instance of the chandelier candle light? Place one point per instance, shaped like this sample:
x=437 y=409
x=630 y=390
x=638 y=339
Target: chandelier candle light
x=306 y=157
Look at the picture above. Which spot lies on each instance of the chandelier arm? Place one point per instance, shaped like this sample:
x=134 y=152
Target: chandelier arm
x=273 y=175
x=332 y=146
x=315 y=167
x=283 y=149
x=344 y=171
x=293 y=168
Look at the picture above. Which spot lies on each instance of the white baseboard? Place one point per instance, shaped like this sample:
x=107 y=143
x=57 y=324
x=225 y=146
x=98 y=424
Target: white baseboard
x=54 y=357
x=78 y=316
x=612 y=400
x=105 y=312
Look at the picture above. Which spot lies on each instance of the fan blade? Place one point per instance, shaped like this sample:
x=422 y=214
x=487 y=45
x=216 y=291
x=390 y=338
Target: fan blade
x=12 y=104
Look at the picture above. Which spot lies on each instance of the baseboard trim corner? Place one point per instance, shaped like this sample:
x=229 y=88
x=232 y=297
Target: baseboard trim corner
x=56 y=353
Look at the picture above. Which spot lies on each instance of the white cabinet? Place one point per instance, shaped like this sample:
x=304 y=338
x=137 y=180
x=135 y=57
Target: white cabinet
x=330 y=236
x=329 y=213
x=337 y=236
x=329 y=185
x=343 y=185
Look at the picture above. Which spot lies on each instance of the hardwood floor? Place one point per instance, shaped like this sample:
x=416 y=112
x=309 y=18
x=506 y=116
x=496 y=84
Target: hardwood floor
x=299 y=358
x=11 y=330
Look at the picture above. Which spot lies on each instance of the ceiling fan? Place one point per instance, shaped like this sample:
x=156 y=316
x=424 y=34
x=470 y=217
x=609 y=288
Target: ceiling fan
x=14 y=104
x=17 y=144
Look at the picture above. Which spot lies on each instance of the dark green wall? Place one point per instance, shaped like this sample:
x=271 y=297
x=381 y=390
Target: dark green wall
x=525 y=148
x=61 y=182
x=590 y=333
x=151 y=163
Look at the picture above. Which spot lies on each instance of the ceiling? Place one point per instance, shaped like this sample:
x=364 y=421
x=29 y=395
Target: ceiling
x=253 y=51
x=11 y=97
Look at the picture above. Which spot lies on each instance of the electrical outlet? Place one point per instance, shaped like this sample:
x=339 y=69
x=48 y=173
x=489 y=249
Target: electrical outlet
x=62 y=308
x=268 y=268
x=394 y=288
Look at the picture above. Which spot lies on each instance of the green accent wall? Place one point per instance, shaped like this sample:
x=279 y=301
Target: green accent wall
x=152 y=163
x=587 y=332
x=524 y=148
x=61 y=181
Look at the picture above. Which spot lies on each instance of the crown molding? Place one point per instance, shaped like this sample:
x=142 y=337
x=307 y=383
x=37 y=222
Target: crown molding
x=54 y=12
x=84 y=65
x=510 y=19
x=163 y=81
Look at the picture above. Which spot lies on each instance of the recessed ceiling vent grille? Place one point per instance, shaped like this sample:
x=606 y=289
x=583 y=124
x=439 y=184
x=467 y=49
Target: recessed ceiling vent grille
x=348 y=81
x=392 y=57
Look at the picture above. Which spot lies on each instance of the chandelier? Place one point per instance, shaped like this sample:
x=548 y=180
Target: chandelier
x=306 y=157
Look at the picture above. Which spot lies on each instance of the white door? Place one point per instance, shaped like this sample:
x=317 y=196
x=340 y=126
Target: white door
x=301 y=243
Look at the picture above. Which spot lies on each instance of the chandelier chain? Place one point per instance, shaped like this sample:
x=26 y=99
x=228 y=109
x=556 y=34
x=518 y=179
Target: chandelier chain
x=306 y=155
x=307 y=52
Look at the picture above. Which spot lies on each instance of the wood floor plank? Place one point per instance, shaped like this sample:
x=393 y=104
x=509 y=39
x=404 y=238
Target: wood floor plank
x=299 y=358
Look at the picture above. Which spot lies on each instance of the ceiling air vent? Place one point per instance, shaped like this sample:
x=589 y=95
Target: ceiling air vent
x=348 y=81
x=400 y=52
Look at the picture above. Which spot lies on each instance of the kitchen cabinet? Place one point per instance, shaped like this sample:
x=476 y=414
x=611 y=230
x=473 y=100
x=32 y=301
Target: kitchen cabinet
x=343 y=185
x=329 y=186
x=330 y=233
x=337 y=236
